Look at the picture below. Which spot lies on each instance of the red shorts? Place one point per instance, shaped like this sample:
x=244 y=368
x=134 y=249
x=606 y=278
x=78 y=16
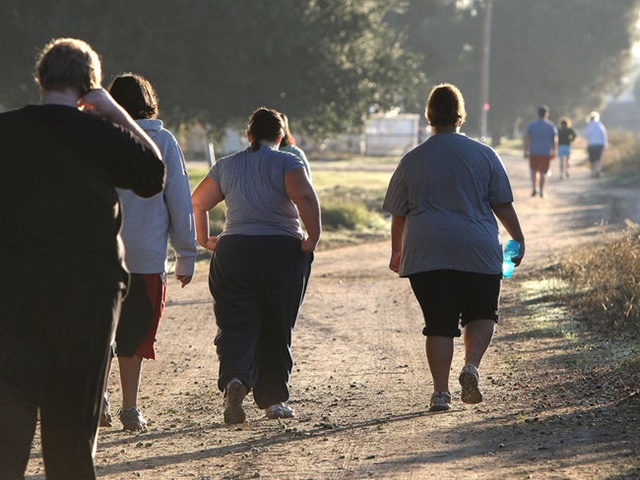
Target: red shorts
x=140 y=316
x=540 y=163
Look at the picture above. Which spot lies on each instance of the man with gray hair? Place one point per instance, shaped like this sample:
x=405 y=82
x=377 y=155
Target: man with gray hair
x=60 y=297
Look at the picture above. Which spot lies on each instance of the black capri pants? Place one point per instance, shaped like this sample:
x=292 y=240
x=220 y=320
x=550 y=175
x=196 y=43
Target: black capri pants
x=450 y=298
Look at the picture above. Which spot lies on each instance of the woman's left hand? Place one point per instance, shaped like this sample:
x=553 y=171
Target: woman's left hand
x=309 y=244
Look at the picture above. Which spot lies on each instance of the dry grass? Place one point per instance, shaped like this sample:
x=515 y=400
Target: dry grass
x=603 y=283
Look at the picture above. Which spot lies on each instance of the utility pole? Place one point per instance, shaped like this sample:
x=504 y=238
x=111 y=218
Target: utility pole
x=485 y=69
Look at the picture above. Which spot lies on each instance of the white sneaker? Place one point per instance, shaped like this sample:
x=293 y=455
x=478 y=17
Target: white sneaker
x=233 y=397
x=469 y=378
x=132 y=419
x=440 y=402
x=279 y=410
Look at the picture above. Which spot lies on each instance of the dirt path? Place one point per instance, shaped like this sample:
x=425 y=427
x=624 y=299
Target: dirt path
x=361 y=386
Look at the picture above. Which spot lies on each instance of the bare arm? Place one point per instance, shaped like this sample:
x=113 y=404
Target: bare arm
x=506 y=213
x=206 y=196
x=526 y=144
x=397 y=232
x=301 y=192
x=100 y=103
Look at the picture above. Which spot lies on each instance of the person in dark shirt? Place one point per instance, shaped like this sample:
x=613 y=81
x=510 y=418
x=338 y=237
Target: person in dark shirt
x=566 y=135
x=64 y=277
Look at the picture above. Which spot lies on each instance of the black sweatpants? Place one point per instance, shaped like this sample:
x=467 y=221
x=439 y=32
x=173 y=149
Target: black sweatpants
x=258 y=284
x=54 y=348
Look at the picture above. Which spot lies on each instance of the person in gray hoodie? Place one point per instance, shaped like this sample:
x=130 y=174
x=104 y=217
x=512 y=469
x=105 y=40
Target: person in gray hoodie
x=148 y=225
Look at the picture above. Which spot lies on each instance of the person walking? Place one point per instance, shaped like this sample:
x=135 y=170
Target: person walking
x=540 y=143
x=566 y=135
x=596 y=135
x=60 y=299
x=260 y=266
x=148 y=225
x=288 y=144
x=444 y=197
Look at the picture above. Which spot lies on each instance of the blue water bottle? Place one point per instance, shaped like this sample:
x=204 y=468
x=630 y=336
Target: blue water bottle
x=511 y=249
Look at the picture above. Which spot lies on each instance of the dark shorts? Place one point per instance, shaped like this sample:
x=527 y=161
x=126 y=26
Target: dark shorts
x=595 y=153
x=141 y=312
x=540 y=163
x=450 y=298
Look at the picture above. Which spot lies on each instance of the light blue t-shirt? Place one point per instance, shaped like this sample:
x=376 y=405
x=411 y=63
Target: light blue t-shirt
x=542 y=133
x=445 y=187
x=254 y=191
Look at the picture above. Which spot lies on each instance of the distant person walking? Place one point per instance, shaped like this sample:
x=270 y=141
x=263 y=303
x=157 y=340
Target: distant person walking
x=566 y=135
x=61 y=294
x=288 y=144
x=596 y=135
x=260 y=266
x=444 y=198
x=148 y=225
x=540 y=142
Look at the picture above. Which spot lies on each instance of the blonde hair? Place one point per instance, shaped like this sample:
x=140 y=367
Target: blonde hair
x=68 y=63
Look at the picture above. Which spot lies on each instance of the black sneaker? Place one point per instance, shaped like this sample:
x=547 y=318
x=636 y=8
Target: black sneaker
x=106 y=419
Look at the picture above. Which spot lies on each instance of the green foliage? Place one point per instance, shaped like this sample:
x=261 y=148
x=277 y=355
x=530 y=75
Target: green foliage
x=350 y=215
x=567 y=54
x=323 y=62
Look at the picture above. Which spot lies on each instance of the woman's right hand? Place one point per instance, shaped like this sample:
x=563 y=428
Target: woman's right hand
x=394 y=262
x=210 y=243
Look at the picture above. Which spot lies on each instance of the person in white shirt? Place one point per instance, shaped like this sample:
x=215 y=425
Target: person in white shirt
x=596 y=135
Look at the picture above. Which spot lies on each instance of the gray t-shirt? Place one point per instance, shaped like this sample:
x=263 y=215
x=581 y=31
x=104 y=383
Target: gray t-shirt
x=444 y=188
x=254 y=190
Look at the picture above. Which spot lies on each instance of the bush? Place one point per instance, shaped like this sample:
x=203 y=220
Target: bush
x=351 y=216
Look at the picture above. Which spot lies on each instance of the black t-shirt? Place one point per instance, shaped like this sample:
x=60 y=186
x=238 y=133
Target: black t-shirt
x=566 y=135
x=59 y=210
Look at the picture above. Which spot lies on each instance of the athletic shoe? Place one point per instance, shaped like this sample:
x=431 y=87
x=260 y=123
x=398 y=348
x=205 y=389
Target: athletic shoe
x=233 y=397
x=440 y=402
x=279 y=410
x=132 y=419
x=106 y=419
x=469 y=378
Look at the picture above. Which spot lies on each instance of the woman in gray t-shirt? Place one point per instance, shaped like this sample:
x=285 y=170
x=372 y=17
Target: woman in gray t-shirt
x=260 y=266
x=444 y=198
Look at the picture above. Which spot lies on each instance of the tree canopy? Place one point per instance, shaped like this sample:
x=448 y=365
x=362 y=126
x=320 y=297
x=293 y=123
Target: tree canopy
x=323 y=62
x=329 y=63
x=567 y=54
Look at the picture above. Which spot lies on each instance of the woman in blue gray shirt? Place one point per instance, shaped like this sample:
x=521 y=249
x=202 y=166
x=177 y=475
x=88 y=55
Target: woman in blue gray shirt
x=260 y=265
x=444 y=197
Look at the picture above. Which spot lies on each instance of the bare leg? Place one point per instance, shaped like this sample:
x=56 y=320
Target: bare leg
x=543 y=177
x=439 y=356
x=130 y=372
x=534 y=182
x=477 y=337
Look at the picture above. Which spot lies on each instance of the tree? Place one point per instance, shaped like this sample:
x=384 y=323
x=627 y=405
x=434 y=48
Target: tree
x=567 y=54
x=323 y=62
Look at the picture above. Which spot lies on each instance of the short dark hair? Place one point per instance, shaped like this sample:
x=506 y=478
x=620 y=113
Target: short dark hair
x=68 y=63
x=265 y=124
x=135 y=94
x=445 y=106
x=543 y=111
